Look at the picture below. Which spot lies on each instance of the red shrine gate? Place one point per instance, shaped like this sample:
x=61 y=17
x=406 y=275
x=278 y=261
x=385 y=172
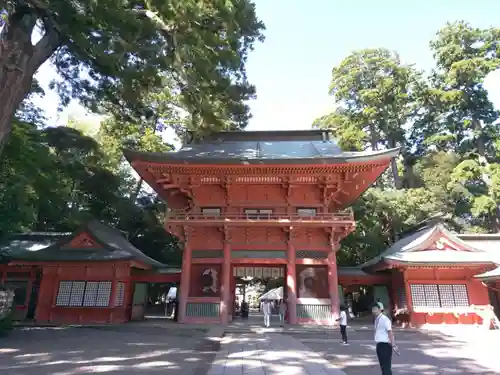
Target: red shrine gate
x=260 y=198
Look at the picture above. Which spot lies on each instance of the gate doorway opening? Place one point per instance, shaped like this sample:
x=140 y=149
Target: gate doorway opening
x=154 y=301
x=252 y=282
x=358 y=299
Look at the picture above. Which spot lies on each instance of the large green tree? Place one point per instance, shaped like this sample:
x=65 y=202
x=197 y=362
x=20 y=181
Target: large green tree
x=457 y=115
x=372 y=92
x=447 y=128
x=115 y=52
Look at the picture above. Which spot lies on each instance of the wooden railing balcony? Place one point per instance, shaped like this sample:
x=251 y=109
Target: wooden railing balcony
x=275 y=218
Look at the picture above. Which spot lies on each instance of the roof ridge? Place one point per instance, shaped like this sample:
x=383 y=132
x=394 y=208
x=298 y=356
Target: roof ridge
x=132 y=250
x=316 y=149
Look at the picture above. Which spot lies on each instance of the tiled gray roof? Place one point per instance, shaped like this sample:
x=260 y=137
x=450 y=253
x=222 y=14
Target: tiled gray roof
x=442 y=256
x=490 y=243
x=115 y=247
x=352 y=271
x=115 y=240
x=490 y=275
x=33 y=241
x=402 y=250
x=168 y=270
x=261 y=148
x=486 y=242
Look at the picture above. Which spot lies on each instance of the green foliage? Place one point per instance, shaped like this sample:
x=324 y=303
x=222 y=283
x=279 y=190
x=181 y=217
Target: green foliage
x=114 y=53
x=148 y=66
x=146 y=135
x=22 y=174
x=372 y=90
x=381 y=216
x=447 y=128
x=62 y=179
x=181 y=65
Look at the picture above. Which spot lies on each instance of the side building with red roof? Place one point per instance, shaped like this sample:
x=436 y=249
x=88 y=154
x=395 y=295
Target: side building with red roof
x=94 y=275
x=435 y=276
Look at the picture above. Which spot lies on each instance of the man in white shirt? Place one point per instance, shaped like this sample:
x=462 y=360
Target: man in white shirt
x=343 y=324
x=384 y=339
x=266 y=309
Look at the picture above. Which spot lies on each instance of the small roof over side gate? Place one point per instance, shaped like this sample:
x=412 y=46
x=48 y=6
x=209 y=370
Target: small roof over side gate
x=430 y=245
x=93 y=242
x=493 y=275
x=491 y=244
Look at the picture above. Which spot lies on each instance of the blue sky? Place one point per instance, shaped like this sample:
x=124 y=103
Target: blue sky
x=305 y=39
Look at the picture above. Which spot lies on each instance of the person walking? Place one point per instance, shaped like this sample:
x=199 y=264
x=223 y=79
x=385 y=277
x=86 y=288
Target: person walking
x=266 y=309
x=384 y=339
x=343 y=324
x=282 y=312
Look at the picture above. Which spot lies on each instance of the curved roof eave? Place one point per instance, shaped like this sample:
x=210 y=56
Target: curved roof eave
x=492 y=275
x=176 y=158
x=461 y=263
x=411 y=242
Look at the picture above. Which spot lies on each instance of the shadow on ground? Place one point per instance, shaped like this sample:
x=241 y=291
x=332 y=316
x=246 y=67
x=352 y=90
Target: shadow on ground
x=269 y=354
x=421 y=353
x=125 y=351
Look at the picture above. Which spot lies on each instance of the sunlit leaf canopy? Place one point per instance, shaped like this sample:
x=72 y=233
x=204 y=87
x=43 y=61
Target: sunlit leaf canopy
x=112 y=55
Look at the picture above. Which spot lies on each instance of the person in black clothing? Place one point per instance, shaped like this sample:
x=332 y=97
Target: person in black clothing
x=244 y=309
x=343 y=324
x=176 y=310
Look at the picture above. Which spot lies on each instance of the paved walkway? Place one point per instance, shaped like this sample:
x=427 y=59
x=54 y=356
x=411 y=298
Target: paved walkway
x=272 y=354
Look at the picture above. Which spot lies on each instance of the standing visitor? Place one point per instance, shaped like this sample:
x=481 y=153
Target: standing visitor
x=266 y=309
x=343 y=324
x=282 y=312
x=384 y=339
x=244 y=309
x=176 y=309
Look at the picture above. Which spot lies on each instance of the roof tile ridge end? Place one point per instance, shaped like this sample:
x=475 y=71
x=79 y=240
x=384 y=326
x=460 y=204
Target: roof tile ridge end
x=318 y=151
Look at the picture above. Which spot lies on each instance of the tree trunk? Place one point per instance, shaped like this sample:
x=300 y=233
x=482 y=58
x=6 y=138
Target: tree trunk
x=374 y=143
x=394 y=168
x=19 y=61
x=72 y=199
x=478 y=129
x=137 y=190
x=496 y=220
x=410 y=181
x=374 y=138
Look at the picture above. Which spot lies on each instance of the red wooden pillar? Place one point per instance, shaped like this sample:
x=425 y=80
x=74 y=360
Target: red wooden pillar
x=112 y=296
x=333 y=284
x=394 y=286
x=409 y=304
x=46 y=295
x=185 y=278
x=232 y=308
x=291 y=284
x=226 y=285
